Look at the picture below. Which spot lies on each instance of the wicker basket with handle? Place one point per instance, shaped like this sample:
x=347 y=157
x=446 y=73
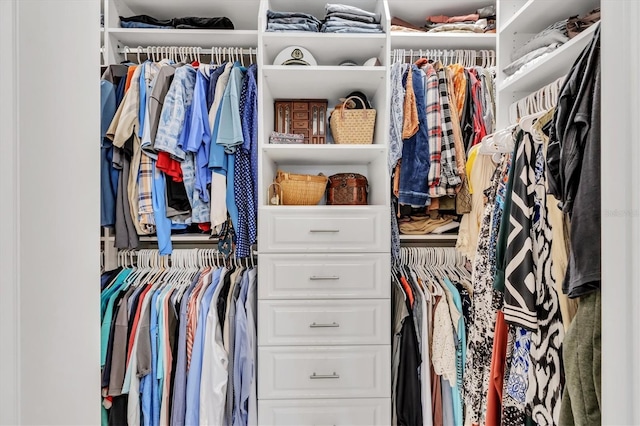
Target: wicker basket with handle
x=353 y=126
x=301 y=190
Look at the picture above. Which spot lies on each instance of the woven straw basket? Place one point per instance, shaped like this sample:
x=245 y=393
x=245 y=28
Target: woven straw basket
x=353 y=126
x=301 y=190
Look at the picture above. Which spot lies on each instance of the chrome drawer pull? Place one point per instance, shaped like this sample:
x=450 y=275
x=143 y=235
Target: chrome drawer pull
x=325 y=376
x=324 y=230
x=327 y=277
x=333 y=324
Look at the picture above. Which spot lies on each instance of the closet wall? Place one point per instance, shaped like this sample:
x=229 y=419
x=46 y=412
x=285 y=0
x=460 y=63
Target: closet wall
x=43 y=371
x=49 y=210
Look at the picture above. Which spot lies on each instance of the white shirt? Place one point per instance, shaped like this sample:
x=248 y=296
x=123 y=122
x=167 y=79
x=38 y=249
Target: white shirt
x=215 y=362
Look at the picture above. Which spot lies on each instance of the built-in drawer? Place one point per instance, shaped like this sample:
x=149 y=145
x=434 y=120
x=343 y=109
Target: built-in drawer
x=294 y=372
x=326 y=228
x=324 y=276
x=338 y=412
x=324 y=322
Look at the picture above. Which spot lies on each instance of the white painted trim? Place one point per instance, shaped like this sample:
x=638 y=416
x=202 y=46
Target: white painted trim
x=620 y=49
x=9 y=220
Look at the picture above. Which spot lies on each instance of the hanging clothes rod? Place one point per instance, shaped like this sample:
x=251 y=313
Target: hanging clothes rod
x=188 y=49
x=193 y=52
x=541 y=100
x=182 y=258
x=484 y=58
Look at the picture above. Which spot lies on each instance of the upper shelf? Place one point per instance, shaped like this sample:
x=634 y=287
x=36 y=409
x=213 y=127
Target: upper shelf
x=322 y=82
x=411 y=40
x=355 y=47
x=535 y=15
x=134 y=37
x=319 y=154
x=553 y=66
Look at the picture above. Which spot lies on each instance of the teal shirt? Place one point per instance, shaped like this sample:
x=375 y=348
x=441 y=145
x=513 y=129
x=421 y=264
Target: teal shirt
x=110 y=295
x=461 y=354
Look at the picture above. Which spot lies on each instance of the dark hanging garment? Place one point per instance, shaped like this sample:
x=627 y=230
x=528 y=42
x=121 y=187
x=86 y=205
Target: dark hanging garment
x=466 y=120
x=408 y=402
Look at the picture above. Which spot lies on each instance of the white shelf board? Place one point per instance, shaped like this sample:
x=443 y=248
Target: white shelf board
x=555 y=65
x=322 y=82
x=536 y=15
x=177 y=238
x=320 y=154
x=133 y=37
x=402 y=40
x=184 y=238
x=429 y=237
x=355 y=47
x=323 y=207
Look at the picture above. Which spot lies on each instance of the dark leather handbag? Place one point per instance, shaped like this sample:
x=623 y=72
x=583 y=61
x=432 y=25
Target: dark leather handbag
x=347 y=189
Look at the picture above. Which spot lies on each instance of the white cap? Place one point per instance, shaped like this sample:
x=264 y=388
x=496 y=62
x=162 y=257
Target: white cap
x=295 y=55
x=372 y=62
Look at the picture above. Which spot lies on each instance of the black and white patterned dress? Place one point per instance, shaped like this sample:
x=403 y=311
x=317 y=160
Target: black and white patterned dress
x=484 y=305
x=546 y=379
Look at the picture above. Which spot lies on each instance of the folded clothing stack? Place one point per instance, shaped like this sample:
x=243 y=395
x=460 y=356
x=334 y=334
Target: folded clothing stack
x=480 y=21
x=545 y=42
x=290 y=138
x=292 y=21
x=426 y=224
x=341 y=18
x=146 y=21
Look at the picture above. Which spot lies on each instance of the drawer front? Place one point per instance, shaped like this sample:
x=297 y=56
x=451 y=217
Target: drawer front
x=304 y=125
x=328 y=229
x=324 y=276
x=301 y=115
x=324 y=322
x=338 y=412
x=300 y=106
x=294 y=372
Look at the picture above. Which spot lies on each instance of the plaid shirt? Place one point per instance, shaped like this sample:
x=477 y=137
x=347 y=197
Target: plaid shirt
x=145 y=202
x=450 y=178
x=434 y=130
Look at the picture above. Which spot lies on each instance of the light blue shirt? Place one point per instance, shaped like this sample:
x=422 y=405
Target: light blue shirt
x=242 y=359
x=143 y=98
x=230 y=132
x=461 y=344
x=159 y=202
x=153 y=332
x=195 y=368
x=159 y=377
x=174 y=112
x=199 y=139
x=178 y=405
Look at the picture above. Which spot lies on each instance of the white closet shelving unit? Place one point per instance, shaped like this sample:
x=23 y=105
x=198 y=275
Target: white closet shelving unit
x=324 y=300
x=518 y=21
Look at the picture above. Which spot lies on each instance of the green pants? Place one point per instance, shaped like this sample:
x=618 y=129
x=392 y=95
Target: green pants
x=581 y=356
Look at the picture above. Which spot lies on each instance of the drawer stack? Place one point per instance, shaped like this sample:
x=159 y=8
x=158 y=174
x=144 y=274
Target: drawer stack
x=324 y=317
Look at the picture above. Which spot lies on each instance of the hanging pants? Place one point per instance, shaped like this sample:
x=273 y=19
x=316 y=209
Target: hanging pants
x=581 y=356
